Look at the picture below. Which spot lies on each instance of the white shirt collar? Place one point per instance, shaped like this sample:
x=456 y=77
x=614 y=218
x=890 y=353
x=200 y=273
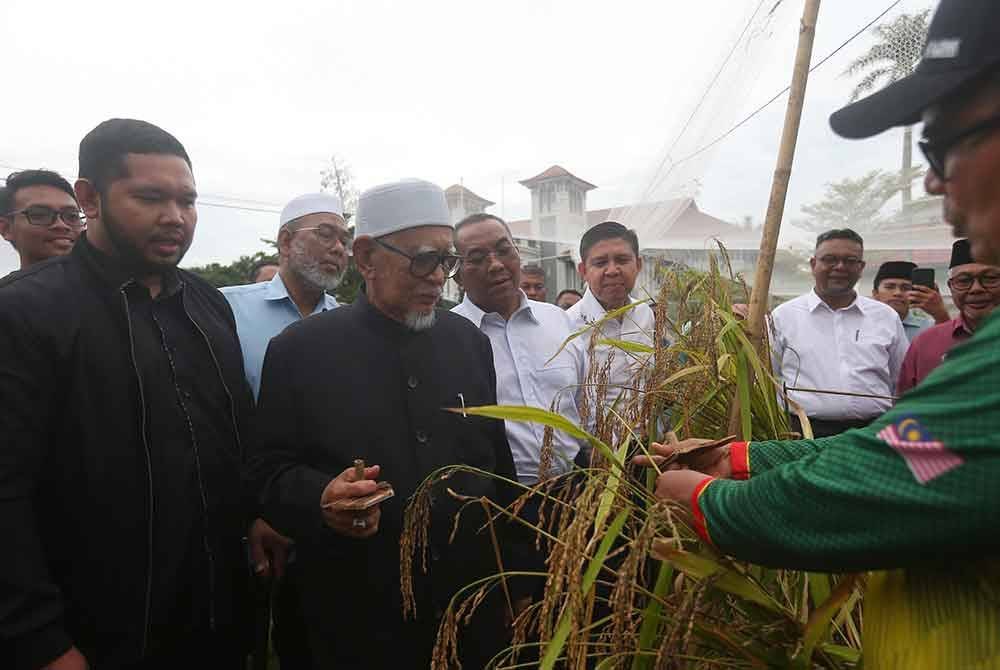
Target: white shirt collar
x=475 y=313
x=591 y=308
x=276 y=290
x=813 y=301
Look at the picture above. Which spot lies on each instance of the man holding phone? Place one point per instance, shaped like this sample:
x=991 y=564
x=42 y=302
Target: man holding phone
x=893 y=285
x=975 y=288
x=925 y=295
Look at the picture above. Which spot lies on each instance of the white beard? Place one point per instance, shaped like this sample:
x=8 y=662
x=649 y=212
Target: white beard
x=416 y=321
x=309 y=270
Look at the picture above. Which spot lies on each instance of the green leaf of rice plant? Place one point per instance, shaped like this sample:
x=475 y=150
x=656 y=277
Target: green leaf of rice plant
x=723 y=578
x=544 y=417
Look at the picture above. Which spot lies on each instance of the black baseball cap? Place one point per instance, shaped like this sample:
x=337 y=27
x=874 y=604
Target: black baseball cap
x=963 y=42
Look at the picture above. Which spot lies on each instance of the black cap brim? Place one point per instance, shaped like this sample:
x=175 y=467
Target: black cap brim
x=901 y=103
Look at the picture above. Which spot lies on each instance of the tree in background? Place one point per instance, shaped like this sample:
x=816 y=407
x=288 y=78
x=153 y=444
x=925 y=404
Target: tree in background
x=337 y=177
x=855 y=203
x=894 y=56
x=233 y=274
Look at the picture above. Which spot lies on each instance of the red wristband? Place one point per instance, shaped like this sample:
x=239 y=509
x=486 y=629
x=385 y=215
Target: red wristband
x=699 y=518
x=739 y=460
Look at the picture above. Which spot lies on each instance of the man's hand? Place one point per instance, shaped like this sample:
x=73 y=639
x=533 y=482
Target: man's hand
x=930 y=301
x=71 y=660
x=713 y=462
x=678 y=485
x=359 y=525
x=268 y=550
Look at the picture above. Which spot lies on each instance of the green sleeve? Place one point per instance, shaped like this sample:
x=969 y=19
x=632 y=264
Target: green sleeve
x=854 y=503
x=767 y=455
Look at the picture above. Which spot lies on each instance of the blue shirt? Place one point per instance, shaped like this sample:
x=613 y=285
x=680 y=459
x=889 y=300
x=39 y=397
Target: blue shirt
x=262 y=311
x=915 y=324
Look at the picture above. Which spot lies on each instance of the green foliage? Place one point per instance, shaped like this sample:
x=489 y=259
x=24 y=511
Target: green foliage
x=232 y=274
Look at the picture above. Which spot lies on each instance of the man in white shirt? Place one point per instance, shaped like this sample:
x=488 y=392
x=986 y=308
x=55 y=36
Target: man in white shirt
x=525 y=335
x=609 y=265
x=832 y=339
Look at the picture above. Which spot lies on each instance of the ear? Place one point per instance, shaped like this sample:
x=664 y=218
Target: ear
x=88 y=198
x=364 y=249
x=284 y=242
x=812 y=263
x=458 y=276
x=6 y=230
x=581 y=269
x=638 y=262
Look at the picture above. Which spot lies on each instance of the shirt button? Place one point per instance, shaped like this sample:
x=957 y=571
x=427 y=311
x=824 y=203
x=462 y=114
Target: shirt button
x=412 y=382
x=421 y=437
x=186 y=394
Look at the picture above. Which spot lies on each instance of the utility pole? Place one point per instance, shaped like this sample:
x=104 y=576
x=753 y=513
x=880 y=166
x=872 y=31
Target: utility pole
x=779 y=190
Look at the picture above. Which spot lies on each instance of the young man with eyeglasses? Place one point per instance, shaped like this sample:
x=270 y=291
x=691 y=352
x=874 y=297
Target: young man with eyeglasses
x=914 y=496
x=39 y=215
x=832 y=339
x=975 y=288
x=369 y=381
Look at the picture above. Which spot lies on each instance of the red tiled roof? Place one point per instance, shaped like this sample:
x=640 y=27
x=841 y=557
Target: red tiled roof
x=552 y=173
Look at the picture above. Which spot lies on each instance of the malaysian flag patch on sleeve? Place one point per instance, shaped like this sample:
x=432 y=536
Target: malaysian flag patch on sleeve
x=926 y=457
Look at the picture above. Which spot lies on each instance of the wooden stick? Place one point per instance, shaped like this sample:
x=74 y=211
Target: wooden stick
x=779 y=191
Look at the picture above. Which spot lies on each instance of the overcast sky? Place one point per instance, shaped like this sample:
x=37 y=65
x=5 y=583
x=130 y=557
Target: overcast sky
x=262 y=93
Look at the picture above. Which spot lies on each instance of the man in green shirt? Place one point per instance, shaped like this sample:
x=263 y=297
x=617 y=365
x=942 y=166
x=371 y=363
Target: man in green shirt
x=916 y=493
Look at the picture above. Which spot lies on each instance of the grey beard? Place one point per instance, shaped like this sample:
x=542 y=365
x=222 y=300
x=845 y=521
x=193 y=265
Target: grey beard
x=308 y=269
x=416 y=321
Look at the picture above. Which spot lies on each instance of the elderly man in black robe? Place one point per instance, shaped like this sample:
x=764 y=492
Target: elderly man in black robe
x=370 y=381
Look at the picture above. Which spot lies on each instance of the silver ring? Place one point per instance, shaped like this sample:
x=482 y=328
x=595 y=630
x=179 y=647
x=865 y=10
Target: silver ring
x=359 y=523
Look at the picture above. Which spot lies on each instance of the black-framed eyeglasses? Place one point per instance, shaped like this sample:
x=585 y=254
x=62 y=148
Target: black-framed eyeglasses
x=40 y=215
x=425 y=263
x=988 y=279
x=329 y=234
x=477 y=257
x=832 y=261
x=936 y=150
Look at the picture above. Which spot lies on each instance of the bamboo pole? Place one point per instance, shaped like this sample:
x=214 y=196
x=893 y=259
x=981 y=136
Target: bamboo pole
x=779 y=190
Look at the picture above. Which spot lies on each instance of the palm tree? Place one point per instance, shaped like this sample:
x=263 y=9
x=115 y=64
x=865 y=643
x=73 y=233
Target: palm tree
x=894 y=56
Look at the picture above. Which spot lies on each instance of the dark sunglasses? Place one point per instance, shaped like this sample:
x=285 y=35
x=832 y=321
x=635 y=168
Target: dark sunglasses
x=426 y=262
x=936 y=150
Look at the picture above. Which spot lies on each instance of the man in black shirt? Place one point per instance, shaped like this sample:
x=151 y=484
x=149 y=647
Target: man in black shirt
x=121 y=400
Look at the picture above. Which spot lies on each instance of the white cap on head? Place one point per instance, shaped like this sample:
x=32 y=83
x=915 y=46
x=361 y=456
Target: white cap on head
x=401 y=205
x=311 y=203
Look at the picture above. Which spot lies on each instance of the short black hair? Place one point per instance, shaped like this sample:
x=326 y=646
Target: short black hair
x=532 y=269
x=839 y=234
x=480 y=217
x=608 y=230
x=25 y=178
x=569 y=290
x=103 y=149
x=260 y=265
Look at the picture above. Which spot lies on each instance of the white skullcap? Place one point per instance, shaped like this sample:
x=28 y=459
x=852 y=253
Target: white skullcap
x=311 y=203
x=401 y=205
